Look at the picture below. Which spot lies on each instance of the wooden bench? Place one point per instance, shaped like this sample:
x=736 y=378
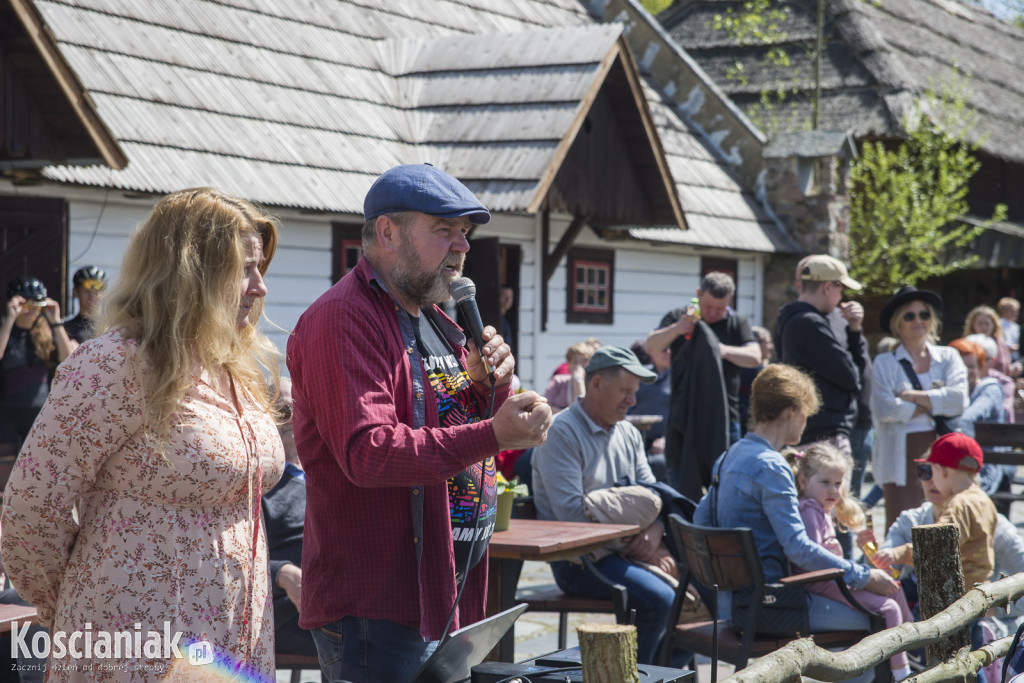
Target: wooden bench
x=550 y=598
x=1002 y=444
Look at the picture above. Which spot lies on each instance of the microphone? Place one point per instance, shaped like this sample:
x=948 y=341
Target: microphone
x=463 y=291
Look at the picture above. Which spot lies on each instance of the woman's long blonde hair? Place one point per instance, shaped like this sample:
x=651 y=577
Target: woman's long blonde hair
x=178 y=295
x=848 y=510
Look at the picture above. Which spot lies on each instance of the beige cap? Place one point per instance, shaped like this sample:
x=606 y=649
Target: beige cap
x=822 y=268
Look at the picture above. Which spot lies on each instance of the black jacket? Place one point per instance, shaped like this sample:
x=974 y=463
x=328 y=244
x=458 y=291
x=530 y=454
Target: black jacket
x=698 y=415
x=284 y=514
x=804 y=338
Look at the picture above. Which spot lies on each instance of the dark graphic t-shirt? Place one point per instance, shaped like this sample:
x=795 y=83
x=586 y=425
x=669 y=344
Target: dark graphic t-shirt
x=456 y=406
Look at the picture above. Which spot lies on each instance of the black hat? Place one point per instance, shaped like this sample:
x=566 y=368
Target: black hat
x=904 y=296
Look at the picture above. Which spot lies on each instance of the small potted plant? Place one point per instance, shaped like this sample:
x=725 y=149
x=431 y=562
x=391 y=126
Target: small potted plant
x=507 y=492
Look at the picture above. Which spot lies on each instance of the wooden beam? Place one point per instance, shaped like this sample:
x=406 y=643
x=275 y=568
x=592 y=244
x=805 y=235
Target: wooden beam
x=551 y=260
x=75 y=93
x=545 y=237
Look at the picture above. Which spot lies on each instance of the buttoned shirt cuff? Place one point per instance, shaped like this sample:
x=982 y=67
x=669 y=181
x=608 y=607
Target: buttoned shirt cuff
x=857 y=576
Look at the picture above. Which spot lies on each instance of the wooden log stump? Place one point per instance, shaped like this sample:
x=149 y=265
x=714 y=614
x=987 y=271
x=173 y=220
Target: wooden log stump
x=940 y=582
x=608 y=653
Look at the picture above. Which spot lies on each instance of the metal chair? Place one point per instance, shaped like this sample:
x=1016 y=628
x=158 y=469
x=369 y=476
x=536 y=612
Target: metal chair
x=727 y=559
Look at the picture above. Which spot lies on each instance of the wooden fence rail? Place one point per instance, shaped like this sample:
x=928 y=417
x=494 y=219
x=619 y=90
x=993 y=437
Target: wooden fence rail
x=803 y=657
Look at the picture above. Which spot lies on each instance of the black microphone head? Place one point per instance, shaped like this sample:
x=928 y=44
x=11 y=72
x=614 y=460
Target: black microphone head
x=461 y=289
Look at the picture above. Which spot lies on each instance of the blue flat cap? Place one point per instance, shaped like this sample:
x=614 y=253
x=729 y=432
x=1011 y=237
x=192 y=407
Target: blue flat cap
x=423 y=188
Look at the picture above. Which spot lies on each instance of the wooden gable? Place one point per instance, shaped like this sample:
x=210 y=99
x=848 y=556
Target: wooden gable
x=613 y=170
x=45 y=116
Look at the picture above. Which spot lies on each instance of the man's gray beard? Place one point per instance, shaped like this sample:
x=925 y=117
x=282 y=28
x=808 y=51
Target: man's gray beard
x=424 y=289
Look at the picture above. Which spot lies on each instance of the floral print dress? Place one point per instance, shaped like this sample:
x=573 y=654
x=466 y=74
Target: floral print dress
x=102 y=532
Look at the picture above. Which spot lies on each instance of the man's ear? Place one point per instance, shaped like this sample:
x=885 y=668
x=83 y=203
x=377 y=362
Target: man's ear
x=387 y=232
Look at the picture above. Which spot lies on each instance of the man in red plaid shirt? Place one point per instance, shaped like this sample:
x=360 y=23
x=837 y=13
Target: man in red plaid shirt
x=388 y=402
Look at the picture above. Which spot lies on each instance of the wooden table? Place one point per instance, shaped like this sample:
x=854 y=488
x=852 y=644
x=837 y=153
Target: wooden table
x=545 y=541
x=644 y=422
x=11 y=614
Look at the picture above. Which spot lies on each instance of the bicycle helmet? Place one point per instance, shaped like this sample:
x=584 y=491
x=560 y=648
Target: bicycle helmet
x=28 y=287
x=89 y=273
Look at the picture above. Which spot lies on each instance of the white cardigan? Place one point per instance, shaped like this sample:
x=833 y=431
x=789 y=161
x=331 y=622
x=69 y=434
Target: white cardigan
x=890 y=414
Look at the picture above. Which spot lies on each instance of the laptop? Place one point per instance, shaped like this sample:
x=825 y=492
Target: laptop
x=463 y=649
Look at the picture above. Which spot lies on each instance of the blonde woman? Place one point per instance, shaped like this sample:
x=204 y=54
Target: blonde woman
x=135 y=502
x=916 y=389
x=984 y=320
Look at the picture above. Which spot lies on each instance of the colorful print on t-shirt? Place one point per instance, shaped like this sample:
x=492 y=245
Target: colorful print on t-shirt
x=456 y=406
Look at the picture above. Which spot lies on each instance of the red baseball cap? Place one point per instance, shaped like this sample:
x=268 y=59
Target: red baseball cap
x=956 y=451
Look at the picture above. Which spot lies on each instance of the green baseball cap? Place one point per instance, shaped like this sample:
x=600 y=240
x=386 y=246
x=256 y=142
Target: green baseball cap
x=615 y=357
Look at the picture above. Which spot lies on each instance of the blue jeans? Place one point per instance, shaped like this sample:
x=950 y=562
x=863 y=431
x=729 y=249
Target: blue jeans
x=369 y=651
x=861 y=441
x=648 y=595
x=977 y=640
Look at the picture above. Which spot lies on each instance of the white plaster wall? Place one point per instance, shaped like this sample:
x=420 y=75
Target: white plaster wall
x=649 y=279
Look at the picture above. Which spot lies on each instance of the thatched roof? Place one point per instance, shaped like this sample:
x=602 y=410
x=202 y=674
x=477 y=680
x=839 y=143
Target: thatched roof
x=880 y=57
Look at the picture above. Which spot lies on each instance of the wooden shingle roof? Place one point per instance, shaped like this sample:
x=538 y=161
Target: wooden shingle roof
x=880 y=57
x=302 y=103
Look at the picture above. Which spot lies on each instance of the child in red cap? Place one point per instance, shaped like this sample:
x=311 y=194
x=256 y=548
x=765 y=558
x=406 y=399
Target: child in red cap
x=953 y=462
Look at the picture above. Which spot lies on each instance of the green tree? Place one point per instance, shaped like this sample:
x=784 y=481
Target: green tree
x=907 y=203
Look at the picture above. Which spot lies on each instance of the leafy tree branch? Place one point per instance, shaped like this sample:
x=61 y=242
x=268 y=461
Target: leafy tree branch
x=907 y=203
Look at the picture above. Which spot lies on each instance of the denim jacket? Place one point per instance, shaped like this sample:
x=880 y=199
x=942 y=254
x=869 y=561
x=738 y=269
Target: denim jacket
x=757 y=490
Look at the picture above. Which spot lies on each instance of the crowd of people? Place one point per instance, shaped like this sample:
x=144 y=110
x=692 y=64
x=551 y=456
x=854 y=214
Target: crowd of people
x=165 y=475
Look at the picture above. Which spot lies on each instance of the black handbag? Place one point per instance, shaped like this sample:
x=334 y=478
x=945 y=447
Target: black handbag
x=783 y=610
x=941 y=427
x=783 y=607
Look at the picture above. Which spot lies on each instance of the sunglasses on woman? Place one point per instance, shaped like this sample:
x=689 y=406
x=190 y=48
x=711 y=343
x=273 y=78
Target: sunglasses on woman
x=923 y=315
x=924 y=471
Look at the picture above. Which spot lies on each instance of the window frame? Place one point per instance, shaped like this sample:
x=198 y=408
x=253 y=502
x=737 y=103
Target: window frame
x=601 y=260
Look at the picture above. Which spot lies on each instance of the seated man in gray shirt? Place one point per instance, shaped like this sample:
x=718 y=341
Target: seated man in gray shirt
x=591 y=446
